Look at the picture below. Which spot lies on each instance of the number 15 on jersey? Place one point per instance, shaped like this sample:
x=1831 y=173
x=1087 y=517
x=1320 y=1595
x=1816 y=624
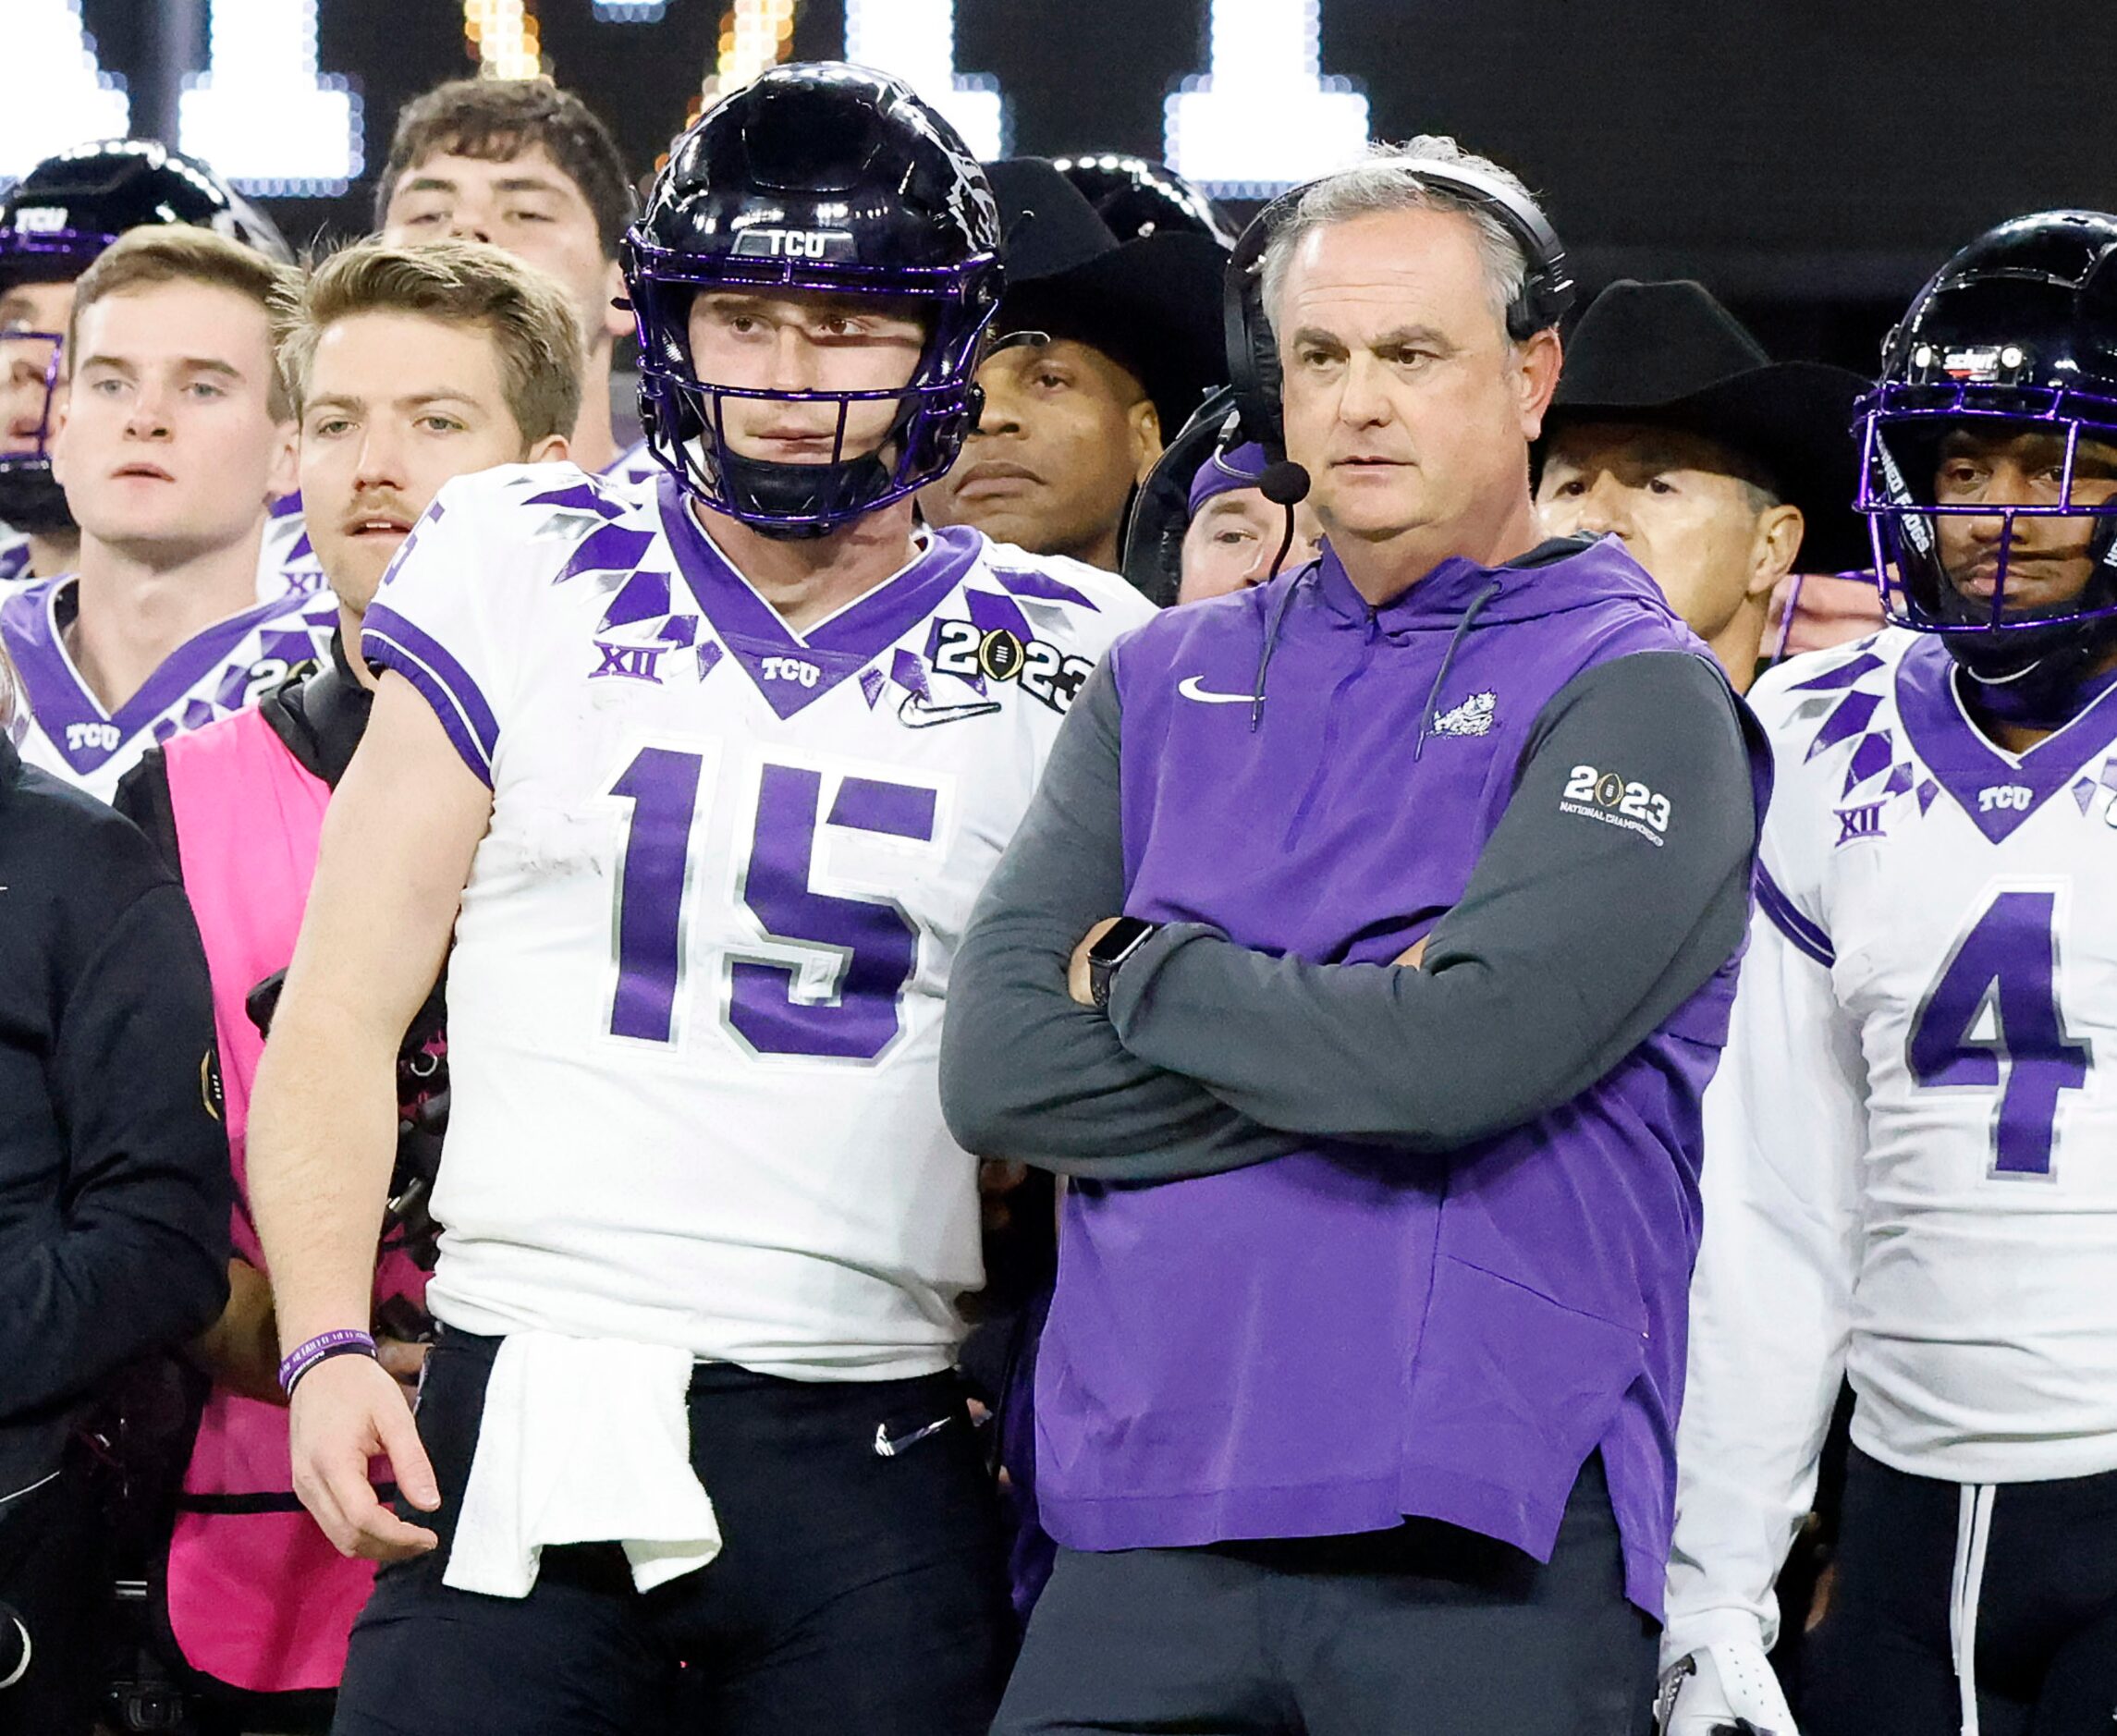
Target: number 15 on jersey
x=819 y=952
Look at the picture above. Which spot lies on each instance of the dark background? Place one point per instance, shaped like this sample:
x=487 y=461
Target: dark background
x=1811 y=160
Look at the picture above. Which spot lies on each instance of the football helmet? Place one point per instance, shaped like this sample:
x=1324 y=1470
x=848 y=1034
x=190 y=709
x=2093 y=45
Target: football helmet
x=829 y=179
x=1988 y=453
x=55 y=220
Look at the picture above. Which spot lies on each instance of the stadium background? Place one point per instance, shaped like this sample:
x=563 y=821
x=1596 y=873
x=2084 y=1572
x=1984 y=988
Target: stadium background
x=1810 y=160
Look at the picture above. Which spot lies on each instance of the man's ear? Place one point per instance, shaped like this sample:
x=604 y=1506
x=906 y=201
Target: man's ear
x=54 y=441
x=551 y=449
x=1537 y=361
x=1775 y=548
x=1145 y=423
x=617 y=321
x=284 y=476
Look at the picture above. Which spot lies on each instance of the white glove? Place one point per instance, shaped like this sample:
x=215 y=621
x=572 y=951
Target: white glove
x=1720 y=1691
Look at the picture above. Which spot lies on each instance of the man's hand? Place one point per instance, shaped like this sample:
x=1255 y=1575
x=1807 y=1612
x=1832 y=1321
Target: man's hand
x=1723 y=1690
x=1077 y=972
x=346 y=1411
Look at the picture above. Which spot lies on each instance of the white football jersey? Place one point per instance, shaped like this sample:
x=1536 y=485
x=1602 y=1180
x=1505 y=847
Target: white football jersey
x=285 y=560
x=218 y=670
x=1911 y=1149
x=694 y=1005
x=634 y=464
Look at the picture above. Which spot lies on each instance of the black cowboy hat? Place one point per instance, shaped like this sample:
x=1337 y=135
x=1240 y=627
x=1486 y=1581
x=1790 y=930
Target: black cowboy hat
x=1152 y=304
x=1670 y=356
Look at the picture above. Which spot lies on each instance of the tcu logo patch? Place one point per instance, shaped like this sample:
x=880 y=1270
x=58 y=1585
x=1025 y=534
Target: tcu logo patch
x=794 y=244
x=789 y=669
x=2005 y=799
x=82 y=736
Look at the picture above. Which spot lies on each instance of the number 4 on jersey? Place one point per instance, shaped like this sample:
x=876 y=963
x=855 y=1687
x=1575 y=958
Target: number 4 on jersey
x=1991 y=1019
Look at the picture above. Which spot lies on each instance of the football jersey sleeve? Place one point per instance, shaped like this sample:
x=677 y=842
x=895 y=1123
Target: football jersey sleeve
x=1785 y=1122
x=441 y=622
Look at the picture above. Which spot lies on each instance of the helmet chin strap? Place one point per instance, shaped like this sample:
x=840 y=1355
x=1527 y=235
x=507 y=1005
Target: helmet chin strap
x=2049 y=688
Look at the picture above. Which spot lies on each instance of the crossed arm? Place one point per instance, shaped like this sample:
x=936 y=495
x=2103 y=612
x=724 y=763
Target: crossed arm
x=1573 y=941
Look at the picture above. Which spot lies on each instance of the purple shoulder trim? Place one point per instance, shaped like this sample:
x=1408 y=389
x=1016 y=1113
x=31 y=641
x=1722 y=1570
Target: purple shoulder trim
x=388 y=639
x=1802 y=934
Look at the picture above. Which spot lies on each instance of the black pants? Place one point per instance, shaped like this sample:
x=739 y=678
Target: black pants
x=2042 y=1612
x=54 y=1575
x=854 y=1591
x=1423 y=1631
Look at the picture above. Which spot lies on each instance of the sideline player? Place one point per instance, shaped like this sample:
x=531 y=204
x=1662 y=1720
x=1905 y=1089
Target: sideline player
x=1907 y=1176
x=55 y=221
x=408 y=367
x=175 y=438
x=532 y=169
x=723 y=764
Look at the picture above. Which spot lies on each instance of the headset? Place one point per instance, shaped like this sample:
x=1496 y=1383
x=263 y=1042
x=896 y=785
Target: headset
x=1252 y=352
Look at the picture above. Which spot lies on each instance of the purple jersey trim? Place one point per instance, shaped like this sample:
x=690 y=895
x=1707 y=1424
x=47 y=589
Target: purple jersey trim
x=842 y=646
x=59 y=698
x=388 y=639
x=1801 y=934
x=1955 y=750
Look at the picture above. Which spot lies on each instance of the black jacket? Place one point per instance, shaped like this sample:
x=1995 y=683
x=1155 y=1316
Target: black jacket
x=115 y=1184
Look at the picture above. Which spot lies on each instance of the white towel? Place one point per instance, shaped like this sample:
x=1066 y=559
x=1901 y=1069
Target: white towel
x=583 y=1440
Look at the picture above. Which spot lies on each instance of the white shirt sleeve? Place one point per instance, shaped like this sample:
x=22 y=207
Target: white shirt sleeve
x=449 y=613
x=1772 y=1299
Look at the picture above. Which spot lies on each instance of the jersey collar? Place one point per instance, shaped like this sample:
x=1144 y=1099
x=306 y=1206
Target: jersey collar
x=1966 y=763
x=836 y=647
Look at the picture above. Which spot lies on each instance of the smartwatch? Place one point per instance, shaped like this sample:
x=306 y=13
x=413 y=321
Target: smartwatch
x=1118 y=943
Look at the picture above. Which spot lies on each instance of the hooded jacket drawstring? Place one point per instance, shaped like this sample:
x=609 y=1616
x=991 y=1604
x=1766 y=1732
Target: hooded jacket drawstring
x=1272 y=639
x=1470 y=616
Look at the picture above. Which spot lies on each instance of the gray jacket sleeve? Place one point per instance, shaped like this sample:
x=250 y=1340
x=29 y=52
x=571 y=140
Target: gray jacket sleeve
x=1026 y=1071
x=1583 y=927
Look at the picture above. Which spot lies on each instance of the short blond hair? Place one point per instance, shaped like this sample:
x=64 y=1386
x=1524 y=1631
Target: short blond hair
x=524 y=310
x=182 y=252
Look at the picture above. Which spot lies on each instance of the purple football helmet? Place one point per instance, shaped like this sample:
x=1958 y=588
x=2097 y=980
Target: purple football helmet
x=831 y=178
x=1988 y=468
x=57 y=218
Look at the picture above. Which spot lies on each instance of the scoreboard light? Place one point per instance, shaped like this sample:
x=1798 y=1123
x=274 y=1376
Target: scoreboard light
x=1264 y=119
x=916 y=40
x=754 y=35
x=260 y=113
x=53 y=92
x=504 y=35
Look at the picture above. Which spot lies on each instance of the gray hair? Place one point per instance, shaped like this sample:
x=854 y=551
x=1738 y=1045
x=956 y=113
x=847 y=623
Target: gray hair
x=1388 y=180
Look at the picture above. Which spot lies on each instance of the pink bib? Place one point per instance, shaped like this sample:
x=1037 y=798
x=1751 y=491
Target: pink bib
x=258 y=1597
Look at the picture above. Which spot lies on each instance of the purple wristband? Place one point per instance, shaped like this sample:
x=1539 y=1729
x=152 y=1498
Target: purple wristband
x=297 y=1361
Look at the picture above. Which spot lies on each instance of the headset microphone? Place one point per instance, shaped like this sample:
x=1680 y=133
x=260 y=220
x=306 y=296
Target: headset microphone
x=1283 y=482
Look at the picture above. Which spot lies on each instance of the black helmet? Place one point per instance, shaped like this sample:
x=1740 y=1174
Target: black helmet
x=822 y=177
x=56 y=219
x=1137 y=196
x=2013 y=339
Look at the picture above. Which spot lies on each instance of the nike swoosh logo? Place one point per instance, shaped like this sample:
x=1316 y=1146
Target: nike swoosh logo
x=886 y=1448
x=918 y=714
x=1190 y=688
